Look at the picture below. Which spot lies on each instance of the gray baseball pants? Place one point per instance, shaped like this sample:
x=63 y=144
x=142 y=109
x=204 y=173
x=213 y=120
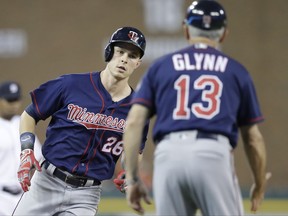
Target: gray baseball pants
x=49 y=195
x=193 y=174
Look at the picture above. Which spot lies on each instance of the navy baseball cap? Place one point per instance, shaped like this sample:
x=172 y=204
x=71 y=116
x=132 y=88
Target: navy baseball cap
x=10 y=91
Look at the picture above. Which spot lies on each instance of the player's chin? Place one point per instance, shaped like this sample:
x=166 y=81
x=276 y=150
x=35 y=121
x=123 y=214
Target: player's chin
x=122 y=74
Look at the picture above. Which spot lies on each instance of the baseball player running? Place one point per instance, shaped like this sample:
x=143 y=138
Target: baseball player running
x=201 y=97
x=84 y=137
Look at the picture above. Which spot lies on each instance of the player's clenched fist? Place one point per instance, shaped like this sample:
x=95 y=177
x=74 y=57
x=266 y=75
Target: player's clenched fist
x=27 y=162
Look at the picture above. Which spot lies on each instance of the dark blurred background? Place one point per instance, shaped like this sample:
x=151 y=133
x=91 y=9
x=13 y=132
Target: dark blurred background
x=40 y=40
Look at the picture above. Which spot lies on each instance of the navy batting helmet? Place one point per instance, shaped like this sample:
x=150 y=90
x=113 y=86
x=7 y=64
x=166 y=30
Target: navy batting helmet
x=127 y=35
x=206 y=15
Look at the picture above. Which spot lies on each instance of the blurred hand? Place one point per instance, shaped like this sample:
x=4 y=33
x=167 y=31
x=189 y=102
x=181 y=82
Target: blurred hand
x=134 y=194
x=257 y=193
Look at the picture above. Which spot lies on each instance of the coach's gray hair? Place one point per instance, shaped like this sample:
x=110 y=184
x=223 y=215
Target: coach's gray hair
x=212 y=34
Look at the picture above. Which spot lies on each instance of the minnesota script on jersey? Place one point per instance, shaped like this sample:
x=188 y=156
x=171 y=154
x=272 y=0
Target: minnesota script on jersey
x=203 y=84
x=86 y=126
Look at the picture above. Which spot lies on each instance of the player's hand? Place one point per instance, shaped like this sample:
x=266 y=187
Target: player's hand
x=120 y=181
x=257 y=194
x=27 y=162
x=134 y=194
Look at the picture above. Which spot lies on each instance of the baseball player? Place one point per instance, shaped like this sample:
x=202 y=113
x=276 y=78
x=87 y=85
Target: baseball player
x=84 y=137
x=201 y=97
x=10 y=104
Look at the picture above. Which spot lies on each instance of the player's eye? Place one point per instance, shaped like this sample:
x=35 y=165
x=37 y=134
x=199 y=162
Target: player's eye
x=133 y=56
x=120 y=51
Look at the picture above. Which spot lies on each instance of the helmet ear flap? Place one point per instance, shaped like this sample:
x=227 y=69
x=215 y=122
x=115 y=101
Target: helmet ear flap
x=108 y=52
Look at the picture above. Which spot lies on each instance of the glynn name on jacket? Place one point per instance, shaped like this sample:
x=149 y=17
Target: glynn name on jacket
x=201 y=61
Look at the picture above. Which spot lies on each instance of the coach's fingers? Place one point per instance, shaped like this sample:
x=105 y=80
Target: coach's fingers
x=257 y=194
x=135 y=193
x=137 y=207
x=255 y=203
x=147 y=199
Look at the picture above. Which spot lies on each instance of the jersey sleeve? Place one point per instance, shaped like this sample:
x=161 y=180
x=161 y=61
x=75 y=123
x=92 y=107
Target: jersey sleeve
x=145 y=92
x=47 y=98
x=249 y=111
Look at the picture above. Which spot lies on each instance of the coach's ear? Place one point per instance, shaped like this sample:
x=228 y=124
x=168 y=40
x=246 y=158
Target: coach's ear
x=185 y=30
x=225 y=33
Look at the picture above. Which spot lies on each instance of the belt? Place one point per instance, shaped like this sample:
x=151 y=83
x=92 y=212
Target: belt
x=77 y=181
x=206 y=135
x=195 y=134
x=13 y=191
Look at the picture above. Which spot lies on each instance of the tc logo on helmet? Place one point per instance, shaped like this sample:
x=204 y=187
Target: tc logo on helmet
x=206 y=21
x=133 y=36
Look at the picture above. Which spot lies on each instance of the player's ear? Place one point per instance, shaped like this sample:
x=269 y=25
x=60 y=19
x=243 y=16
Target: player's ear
x=138 y=63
